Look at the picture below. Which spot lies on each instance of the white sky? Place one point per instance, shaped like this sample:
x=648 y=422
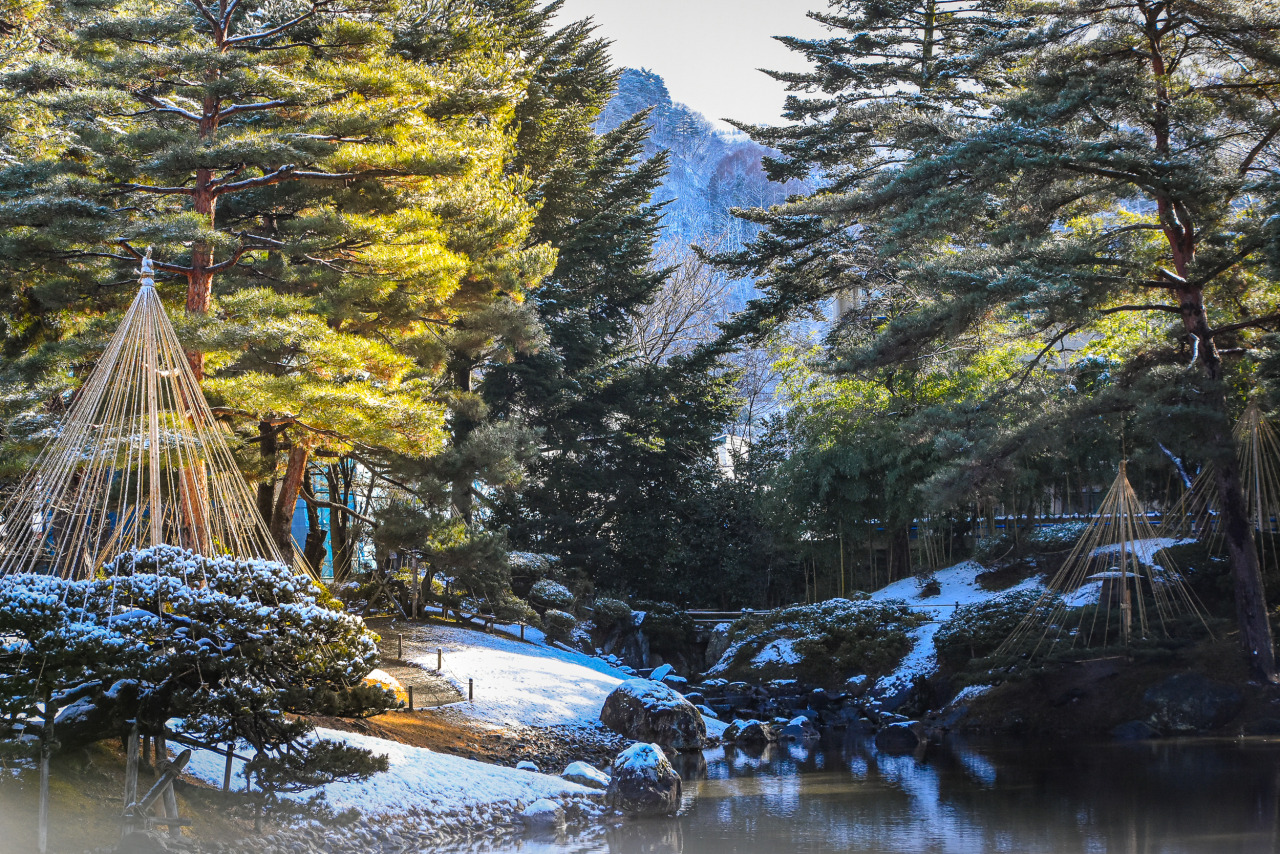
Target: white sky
x=707 y=51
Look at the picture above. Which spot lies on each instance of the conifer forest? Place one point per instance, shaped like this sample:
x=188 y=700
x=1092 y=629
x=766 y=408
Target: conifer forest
x=422 y=431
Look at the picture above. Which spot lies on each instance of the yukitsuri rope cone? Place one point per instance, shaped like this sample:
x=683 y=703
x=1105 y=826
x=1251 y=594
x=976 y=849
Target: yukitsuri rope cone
x=139 y=461
x=1258 y=451
x=1114 y=564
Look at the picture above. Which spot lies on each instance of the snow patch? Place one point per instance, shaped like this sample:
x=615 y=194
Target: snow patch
x=519 y=684
x=417 y=778
x=968 y=693
x=780 y=651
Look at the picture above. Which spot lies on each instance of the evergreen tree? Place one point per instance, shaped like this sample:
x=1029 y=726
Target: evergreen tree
x=623 y=444
x=901 y=71
x=1117 y=177
x=334 y=203
x=238 y=650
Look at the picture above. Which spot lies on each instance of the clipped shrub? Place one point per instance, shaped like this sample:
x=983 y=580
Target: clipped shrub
x=989 y=549
x=611 y=612
x=975 y=631
x=529 y=564
x=558 y=625
x=553 y=594
x=509 y=608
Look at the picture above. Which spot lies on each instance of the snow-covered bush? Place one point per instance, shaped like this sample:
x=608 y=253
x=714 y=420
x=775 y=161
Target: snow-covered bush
x=510 y=608
x=611 y=612
x=533 y=565
x=977 y=629
x=558 y=625
x=552 y=594
x=821 y=643
x=238 y=649
x=1057 y=537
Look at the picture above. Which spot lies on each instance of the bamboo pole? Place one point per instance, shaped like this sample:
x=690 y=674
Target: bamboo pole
x=46 y=748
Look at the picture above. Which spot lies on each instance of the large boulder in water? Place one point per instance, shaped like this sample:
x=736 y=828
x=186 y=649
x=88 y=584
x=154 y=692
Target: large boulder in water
x=751 y=732
x=650 y=711
x=1189 y=702
x=901 y=737
x=643 y=783
x=543 y=814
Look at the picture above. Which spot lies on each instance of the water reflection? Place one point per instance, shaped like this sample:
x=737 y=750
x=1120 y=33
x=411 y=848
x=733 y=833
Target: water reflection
x=843 y=795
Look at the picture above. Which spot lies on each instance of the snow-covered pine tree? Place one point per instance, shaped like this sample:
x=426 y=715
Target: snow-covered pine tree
x=895 y=76
x=236 y=649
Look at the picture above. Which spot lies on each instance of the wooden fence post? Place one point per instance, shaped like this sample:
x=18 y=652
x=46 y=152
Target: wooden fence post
x=416 y=588
x=471 y=689
x=410 y=690
x=400 y=646
x=131 y=768
x=439 y=659
x=226 y=771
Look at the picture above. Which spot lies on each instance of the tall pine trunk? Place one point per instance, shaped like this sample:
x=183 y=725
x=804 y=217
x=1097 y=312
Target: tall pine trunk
x=1246 y=569
x=1181 y=233
x=287 y=499
x=463 y=426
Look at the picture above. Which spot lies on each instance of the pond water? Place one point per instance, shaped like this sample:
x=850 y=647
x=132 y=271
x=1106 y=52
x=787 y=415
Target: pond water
x=842 y=795
x=1170 y=797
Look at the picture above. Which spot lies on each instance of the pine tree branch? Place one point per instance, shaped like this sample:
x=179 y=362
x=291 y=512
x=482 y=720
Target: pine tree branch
x=1044 y=351
x=1258 y=149
x=281 y=174
x=1101 y=172
x=315 y=501
x=164 y=105
x=1246 y=324
x=231 y=10
x=153 y=190
x=277 y=30
x=1172 y=309
x=223 y=266
x=205 y=13
x=236 y=109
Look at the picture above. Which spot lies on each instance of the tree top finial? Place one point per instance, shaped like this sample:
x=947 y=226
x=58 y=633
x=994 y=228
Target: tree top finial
x=148 y=269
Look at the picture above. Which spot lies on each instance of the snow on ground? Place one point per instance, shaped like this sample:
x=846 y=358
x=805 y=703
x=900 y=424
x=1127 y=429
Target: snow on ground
x=1086 y=594
x=920 y=661
x=959 y=586
x=780 y=651
x=417 y=778
x=518 y=684
x=1145 y=549
x=969 y=692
